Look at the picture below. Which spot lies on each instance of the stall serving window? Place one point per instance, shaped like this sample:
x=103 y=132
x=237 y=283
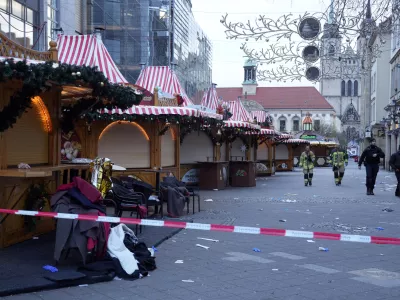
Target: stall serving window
x=262 y=152
x=28 y=140
x=126 y=144
x=282 y=152
x=196 y=146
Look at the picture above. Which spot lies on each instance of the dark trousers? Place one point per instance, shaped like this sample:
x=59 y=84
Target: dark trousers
x=398 y=183
x=372 y=172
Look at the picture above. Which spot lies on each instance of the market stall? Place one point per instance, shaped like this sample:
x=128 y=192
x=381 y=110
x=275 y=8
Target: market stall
x=286 y=148
x=33 y=87
x=265 y=152
x=320 y=145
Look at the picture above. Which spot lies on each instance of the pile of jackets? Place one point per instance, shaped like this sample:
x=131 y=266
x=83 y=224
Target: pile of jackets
x=80 y=197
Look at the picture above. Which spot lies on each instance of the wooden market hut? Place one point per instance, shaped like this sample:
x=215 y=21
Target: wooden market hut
x=30 y=143
x=285 y=148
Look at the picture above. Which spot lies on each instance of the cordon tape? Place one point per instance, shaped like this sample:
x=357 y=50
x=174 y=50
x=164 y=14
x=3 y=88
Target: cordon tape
x=213 y=227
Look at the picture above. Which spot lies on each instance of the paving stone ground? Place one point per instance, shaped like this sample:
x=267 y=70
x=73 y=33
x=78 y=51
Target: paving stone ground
x=286 y=268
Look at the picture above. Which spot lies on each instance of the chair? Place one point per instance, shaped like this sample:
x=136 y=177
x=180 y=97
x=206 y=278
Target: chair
x=193 y=190
x=126 y=199
x=165 y=189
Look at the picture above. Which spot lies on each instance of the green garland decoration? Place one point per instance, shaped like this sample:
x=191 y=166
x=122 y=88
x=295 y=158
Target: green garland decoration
x=36 y=200
x=38 y=78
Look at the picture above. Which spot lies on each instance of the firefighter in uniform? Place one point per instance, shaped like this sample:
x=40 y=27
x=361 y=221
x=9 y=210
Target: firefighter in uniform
x=307 y=159
x=339 y=159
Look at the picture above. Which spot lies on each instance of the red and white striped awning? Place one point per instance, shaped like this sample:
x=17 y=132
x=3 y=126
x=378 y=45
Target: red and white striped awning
x=284 y=136
x=152 y=110
x=295 y=141
x=88 y=50
x=210 y=99
x=165 y=79
x=241 y=124
x=239 y=113
x=260 y=115
x=161 y=110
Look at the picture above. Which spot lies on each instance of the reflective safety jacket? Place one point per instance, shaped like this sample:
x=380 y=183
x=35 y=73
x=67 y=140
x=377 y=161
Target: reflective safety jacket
x=307 y=160
x=339 y=158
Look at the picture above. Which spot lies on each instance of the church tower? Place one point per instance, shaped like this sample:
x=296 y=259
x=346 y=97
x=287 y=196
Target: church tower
x=340 y=67
x=249 y=85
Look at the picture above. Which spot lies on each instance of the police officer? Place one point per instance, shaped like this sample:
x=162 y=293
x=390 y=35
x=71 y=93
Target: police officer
x=307 y=159
x=394 y=163
x=339 y=159
x=372 y=156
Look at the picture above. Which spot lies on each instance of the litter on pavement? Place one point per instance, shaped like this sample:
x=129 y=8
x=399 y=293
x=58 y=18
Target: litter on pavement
x=208 y=200
x=323 y=249
x=283 y=220
x=187 y=280
x=387 y=209
x=256 y=250
x=275 y=269
x=206 y=239
x=179 y=261
x=50 y=268
x=201 y=246
x=310 y=241
x=380 y=228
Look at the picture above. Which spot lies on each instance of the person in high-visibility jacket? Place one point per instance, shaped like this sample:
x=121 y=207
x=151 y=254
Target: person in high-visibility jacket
x=307 y=159
x=339 y=159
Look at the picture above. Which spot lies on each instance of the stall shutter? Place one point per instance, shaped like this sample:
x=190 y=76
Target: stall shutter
x=126 y=145
x=27 y=141
x=168 y=149
x=223 y=152
x=262 y=152
x=196 y=146
x=236 y=153
x=282 y=152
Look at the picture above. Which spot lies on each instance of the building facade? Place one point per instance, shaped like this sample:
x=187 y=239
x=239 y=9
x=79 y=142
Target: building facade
x=340 y=84
x=287 y=106
x=155 y=33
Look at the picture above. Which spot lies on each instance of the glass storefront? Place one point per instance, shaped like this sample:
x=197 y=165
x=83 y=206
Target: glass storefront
x=19 y=23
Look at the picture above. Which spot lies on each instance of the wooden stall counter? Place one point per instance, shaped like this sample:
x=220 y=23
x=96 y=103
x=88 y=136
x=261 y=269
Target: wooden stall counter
x=242 y=173
x=40 y=172
x=213 y=175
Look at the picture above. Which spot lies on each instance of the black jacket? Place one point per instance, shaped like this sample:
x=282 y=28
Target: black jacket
x=368 y=153
x=394 y=161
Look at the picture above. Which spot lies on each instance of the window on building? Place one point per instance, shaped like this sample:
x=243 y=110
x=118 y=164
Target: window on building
x=296 y=125
x=317 y=125
x=51 y=21
x=343 y=88
x=373 y=111
x=331 y=50
x=355 y=88
x=349 y=87
x=282 y=125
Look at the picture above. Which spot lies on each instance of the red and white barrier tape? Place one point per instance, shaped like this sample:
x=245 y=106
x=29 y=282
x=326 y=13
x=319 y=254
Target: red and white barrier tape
x=214 y=227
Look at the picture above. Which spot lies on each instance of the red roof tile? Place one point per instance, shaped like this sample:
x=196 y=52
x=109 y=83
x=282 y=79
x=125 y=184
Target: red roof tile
x=299 y=97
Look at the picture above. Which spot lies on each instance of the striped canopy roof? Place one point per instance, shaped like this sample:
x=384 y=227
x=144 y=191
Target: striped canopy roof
x=210 y=98
x=239 y=113
x=295 y=141
x=260 y=115
x=164 y=78
x=88 y=50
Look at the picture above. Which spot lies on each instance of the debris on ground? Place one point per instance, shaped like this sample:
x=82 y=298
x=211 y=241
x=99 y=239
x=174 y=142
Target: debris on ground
x=387 y=209
x=154 y=249
x=337 y=218
x=83 y=285
x=256 y=250
x=323 y=249
x=206 y=239
x=310 y=241
x=289 y=201
x=380 y=228
x=275 y=269
x=187 y=280
x=208 y=200
x=50 y=268
x=179 y=261
x=260 y=209
x=201 y=246
x=215 y=189
x=282 y=220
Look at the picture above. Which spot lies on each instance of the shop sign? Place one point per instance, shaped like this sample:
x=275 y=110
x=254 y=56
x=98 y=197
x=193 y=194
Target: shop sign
x=308 y=137
x=191 y=176
x=167 y=102
x=241 y=173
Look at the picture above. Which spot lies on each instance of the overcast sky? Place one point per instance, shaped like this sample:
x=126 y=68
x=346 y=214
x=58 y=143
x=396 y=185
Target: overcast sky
x=227 y=57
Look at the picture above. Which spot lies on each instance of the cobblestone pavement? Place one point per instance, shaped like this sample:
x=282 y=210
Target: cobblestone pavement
x=286 y=268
